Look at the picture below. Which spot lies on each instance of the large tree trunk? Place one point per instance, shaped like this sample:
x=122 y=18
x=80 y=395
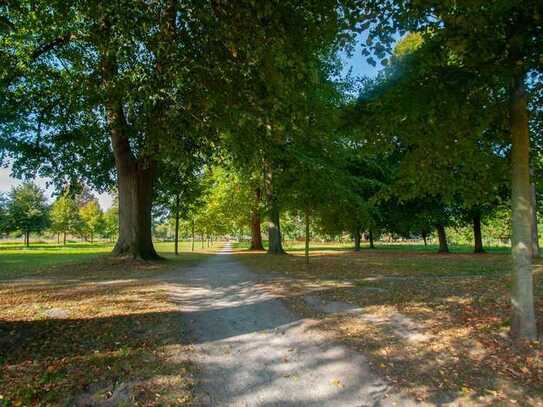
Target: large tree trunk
x=274 y=232
x=357 y=238
x=523 y=324
x=477 y=235
x=134 y=176
x=442 y=237
x=372 y=246
x=176 y=225
x=424 y=237
x=256 y=233
x=535 y=234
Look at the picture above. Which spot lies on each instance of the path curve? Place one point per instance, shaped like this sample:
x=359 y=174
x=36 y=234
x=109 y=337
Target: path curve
x=251 y=350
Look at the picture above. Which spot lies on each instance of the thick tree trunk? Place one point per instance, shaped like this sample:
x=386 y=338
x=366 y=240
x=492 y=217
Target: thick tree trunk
x=523 y=324
x=135 y=187
x=256 y=232
x=134 y=176
x=424 y=237
x=477 y=235
x=442 y=237
x=372 y=246
x=274 y=232
x=357 y=238
x=535 y=233
x=176 y=225
x=306 y=236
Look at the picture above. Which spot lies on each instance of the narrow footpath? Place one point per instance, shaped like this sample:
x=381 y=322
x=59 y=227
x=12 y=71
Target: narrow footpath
x=251 y=350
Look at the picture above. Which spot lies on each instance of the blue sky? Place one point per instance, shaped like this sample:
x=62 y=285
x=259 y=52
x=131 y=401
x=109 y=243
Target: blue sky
x=357 y=62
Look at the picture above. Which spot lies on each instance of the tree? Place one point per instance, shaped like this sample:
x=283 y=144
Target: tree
x=27 y=210
x=65 y=217
x=498 y=42
x=134 y=104
x=92 y=219
x=111 y=221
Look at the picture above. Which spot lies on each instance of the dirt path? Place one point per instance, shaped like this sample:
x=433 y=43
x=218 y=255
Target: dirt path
x=253 y=351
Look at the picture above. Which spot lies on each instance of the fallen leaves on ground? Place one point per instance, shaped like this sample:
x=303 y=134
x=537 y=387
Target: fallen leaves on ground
x=460 y=301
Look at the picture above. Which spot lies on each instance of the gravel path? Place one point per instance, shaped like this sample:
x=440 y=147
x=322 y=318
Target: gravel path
x=253 y=351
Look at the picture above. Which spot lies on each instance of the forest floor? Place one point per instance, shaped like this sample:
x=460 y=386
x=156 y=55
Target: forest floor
x=434 y=326
x=80 y=328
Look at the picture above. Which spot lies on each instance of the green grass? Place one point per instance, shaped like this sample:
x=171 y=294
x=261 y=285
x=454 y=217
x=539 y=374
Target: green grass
x=296 y=246
x=18 y=260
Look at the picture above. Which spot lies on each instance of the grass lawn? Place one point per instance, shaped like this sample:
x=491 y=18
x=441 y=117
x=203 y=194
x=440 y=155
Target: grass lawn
x=78 y=327
x=457 y=304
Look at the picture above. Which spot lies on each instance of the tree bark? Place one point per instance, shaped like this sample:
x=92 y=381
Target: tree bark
x=424 y=236
x=27 y=239
x=58 y=238
x=306 y=236
x=357 y=238
x=523 y=325
x=274 y=232
x=535 y=234
x=477 y=235
x=64 y=239
x=442 y=237
x=134 y=176
x=372 y=246
x=256 y=232
x=176 y=225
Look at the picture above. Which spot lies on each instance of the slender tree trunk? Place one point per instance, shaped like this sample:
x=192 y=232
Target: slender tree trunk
x=177 y=225
x=535 y=233
x=256 y=232
x=202 y=240
x=64 y=239
x=523 y=324
x=424 y=237
x=58 y=237
x=357 y=238
x=477 y=235
x=442 y=237
x=92 y=237
x=134 y=175
x=306 y=236
x=27 y=239
x=372 y=246
x=193 y=237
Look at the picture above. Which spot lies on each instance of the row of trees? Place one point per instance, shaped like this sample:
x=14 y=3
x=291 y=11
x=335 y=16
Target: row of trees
x=26 y=210
x=143 y=94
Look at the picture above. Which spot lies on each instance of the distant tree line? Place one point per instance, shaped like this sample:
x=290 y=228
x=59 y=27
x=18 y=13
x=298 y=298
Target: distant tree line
x=26 y=210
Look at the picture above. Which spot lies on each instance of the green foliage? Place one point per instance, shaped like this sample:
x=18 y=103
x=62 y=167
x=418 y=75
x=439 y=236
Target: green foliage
x=65 y=217
x=92 y=219
x=27 y=209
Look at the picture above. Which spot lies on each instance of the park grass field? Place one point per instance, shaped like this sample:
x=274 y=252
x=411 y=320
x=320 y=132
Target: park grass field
x=80 y=328
x=459 y=303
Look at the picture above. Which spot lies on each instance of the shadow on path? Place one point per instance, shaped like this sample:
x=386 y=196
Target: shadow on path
x=253 y=351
